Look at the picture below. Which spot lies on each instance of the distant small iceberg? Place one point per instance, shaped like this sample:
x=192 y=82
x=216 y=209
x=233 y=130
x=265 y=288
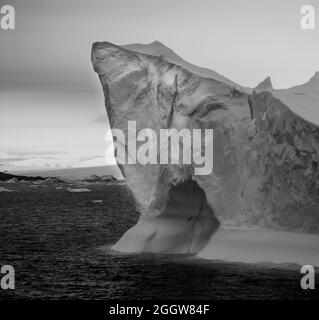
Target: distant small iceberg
x=2 y=189
x=78 y=190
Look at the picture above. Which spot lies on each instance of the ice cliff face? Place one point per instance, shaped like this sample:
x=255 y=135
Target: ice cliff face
x=284 y=156
x=259 y=158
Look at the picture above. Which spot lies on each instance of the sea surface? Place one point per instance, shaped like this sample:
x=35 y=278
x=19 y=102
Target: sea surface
x=59 y=244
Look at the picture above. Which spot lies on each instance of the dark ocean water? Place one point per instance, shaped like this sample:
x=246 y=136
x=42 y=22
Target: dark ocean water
x=58 y=243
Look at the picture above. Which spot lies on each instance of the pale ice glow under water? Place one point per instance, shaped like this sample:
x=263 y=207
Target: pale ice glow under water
x=262 y=245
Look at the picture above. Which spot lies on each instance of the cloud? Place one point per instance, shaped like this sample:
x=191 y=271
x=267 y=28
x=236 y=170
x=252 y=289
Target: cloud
x=35 y=153
x=87 y=158
x=13 y=159
x=10 y=156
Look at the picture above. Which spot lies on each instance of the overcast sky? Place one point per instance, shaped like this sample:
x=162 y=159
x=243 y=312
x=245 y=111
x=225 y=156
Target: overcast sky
x=51 y=102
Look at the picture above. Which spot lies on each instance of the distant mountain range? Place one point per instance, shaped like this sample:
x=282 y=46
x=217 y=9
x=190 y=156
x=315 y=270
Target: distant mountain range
x=69 y=173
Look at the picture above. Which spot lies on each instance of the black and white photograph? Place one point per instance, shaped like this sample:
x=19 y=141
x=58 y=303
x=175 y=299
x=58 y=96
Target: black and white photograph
x=159 y=158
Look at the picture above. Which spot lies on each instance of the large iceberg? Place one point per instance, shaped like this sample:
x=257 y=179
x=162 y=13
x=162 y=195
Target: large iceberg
x=265 y=156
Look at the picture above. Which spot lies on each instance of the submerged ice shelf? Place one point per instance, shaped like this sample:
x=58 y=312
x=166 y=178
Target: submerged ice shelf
x=263 y=245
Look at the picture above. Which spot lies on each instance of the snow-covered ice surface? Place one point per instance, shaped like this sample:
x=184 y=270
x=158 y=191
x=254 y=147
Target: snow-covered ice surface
x=263 y=246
